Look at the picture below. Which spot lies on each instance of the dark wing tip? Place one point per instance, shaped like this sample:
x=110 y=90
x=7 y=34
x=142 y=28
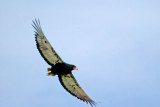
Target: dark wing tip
x=92 y=103
x=36 y=24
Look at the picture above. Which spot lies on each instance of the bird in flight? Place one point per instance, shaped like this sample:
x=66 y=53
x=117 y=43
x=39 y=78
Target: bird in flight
x=58 y=66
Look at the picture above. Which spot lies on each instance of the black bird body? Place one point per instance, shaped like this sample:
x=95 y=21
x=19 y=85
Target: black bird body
x=62 y=68
x=58 y=66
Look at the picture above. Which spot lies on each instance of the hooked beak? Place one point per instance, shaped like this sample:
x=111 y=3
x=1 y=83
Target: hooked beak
x=75 y=68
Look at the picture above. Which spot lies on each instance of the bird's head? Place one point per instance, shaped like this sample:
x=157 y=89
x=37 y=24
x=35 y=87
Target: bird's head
x=74 y=67
x=70 y=66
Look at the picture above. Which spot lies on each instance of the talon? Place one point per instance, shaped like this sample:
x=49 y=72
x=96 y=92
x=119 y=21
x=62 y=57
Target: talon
x=50 y=72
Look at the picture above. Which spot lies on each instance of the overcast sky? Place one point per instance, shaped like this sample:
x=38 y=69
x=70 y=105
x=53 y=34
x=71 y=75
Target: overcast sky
x=114 y=43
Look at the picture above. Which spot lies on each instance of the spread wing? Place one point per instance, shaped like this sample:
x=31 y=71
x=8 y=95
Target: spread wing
x=44 y=47
x=70 y=84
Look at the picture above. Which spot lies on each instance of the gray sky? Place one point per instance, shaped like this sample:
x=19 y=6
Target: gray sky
x=114 y=43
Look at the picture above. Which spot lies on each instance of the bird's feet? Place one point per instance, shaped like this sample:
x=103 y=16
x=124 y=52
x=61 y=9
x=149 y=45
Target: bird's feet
x=50 y=72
